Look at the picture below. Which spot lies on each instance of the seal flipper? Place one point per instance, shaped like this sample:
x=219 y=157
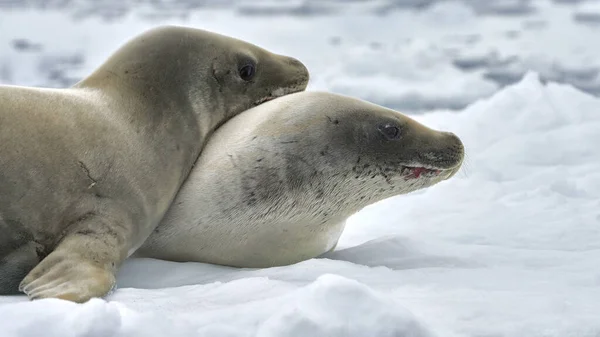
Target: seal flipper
x=14 y=267
x=84 y=264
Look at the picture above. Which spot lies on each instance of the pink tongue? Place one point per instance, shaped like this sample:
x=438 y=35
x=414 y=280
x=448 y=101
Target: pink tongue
x=417 y=171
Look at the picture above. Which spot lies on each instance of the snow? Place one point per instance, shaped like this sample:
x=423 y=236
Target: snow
x=510 y=246
x=416 y=55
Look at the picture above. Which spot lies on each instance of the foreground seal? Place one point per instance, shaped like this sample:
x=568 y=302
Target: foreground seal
x=275 y=185
x=88 y=172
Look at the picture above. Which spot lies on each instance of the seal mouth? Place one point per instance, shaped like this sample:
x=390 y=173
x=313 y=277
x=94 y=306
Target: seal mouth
x=416 y=172
x=265 y=99
x=278 y=93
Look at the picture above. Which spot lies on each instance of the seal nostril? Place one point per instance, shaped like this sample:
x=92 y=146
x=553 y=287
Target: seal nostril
x=457 y=146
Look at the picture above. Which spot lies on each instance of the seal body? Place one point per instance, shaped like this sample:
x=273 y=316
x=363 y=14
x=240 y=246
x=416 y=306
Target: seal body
x=275 y=184
x=87 y=172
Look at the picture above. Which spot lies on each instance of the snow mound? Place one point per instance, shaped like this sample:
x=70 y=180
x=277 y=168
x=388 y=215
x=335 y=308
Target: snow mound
x=334 y=306
x=51 y=317
x=330 y=306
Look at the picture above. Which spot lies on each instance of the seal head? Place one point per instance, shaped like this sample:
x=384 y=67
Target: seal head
x=202 y=70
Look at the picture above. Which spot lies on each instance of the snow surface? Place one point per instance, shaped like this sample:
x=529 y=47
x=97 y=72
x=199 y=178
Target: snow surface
x=510 y=246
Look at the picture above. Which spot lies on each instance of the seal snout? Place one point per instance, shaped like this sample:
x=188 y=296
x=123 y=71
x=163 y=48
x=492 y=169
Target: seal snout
x=287 y=75
x=444 y=157
x=294 y=62
x=299 y=76
x=447 y=153
x=454 y=151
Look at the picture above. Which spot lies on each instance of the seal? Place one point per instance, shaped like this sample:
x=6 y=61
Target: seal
x=89 y=171
x=276 y=184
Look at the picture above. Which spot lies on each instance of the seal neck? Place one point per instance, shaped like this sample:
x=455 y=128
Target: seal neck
x=156 y=98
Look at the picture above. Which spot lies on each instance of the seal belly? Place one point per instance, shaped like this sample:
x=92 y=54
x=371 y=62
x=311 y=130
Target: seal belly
x=251 y=245
x=281 y=244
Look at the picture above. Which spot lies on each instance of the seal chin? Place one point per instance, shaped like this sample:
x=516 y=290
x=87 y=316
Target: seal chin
x=278 y=93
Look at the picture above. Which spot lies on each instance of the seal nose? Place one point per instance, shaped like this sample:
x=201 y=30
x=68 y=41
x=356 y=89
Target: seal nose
x=296 y=63
x=454 y=151
x=458 y=150
x=457 y=144
x=443 y=150
x=301 y=69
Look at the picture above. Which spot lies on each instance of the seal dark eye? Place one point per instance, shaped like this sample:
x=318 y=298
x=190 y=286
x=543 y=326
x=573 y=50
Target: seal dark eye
x=389 y=131
x=247 y=72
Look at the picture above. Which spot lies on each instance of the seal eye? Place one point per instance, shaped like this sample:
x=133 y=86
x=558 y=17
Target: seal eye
x=247 y=72
x=389 y=131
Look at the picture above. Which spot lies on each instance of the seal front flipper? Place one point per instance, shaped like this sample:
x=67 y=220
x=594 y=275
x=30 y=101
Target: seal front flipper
x=84 y=263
